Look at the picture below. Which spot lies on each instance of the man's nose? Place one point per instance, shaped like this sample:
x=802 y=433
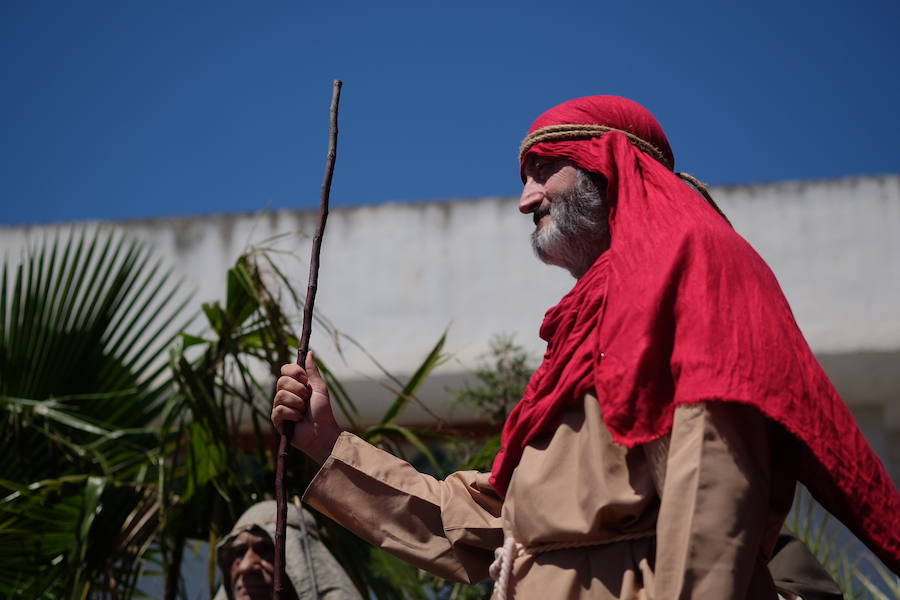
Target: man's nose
x=250 y=561
x=532 y=196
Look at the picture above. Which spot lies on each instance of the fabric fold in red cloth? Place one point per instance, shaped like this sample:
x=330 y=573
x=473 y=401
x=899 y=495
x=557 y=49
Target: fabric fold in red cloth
x=681 y=309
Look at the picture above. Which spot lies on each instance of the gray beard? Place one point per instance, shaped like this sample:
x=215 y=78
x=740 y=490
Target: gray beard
x=578 y=231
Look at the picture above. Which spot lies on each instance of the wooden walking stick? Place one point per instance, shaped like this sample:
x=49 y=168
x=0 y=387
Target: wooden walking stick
x=288 y=429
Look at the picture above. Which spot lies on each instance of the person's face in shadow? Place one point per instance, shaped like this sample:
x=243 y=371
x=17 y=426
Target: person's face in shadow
x=252 y=556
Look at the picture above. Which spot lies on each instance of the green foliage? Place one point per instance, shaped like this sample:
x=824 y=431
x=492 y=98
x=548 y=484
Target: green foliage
x=81 y=384
x=886 y=587
x=498 y=382
x=841 y=555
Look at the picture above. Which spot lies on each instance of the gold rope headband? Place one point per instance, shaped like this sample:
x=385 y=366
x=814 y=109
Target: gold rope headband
x=577 y=131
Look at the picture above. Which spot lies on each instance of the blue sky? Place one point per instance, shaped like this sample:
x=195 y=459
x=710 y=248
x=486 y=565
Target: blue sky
x=125 y=110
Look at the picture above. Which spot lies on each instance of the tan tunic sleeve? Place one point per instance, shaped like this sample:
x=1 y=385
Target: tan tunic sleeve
x=449 y=528
x=715 y=499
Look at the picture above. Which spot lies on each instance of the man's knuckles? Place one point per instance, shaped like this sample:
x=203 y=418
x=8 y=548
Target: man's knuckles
x=298 y=388
x=280 y=414
x=299 y=377
x=294 y=371
x=289 y=369
x=289 y=399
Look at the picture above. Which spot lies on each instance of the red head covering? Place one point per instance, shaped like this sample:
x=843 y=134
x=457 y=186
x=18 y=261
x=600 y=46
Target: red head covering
x=681 y=309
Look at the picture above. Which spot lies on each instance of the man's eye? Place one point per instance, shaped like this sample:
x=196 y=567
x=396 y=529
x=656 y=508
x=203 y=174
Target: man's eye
x=264 y=549
x=539 y=167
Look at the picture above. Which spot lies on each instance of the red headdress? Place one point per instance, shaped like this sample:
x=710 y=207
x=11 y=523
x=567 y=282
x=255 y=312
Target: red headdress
x=681 y=309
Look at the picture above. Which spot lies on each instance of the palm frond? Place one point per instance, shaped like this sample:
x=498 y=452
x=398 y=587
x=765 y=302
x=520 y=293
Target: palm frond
x=432 y=360
x=79 y=388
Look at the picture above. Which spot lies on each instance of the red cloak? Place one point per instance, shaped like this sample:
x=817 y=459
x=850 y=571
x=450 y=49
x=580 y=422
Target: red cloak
x=681 y=309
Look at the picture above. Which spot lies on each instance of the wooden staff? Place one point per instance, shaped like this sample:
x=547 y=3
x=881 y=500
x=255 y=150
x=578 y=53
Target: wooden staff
x=288 y=429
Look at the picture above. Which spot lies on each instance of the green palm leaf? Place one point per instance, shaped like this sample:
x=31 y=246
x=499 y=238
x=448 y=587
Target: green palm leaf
x=433 y=360
x=85 y=322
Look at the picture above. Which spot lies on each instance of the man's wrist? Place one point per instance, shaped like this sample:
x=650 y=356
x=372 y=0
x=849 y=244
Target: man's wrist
x=323 y=449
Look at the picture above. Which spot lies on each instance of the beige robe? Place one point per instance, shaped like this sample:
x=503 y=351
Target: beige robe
x=705 y=503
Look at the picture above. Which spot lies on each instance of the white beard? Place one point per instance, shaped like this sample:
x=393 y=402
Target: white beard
x=578 y=229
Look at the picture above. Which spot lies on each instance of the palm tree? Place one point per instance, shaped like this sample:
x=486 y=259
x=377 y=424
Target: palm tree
x=85 y=322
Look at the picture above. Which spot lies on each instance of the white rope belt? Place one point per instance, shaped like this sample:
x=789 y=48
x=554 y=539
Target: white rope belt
x=501 y=568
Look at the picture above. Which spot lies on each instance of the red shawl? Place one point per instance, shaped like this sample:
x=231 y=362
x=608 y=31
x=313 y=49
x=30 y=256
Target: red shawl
x=681 y=309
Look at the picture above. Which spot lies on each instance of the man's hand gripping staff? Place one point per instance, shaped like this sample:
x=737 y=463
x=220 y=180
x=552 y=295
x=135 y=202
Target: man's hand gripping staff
x=302 y=398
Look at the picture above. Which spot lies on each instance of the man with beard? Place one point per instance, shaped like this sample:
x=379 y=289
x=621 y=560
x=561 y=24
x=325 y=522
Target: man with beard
x=656 y=449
